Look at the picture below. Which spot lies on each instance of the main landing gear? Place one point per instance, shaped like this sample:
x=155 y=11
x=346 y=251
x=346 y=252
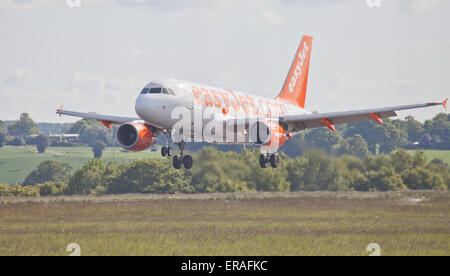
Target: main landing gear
x=266 y=159
x=178 y=161
x=181 y=160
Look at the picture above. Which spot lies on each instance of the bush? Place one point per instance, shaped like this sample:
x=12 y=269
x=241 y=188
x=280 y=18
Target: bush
x=52 y=188
x=28 y=191
x=315 y=171
x=215 y=171
x=148 y=176
x=5 y=190
x=48 y=171
x=87 y=178
x=14 y=141
x=30 y=140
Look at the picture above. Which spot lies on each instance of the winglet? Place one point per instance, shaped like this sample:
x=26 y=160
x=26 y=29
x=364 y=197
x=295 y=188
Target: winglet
x=59 y=109
x=444 y=103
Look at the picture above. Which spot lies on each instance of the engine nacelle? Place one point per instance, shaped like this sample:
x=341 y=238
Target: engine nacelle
x=266 y=134
x=135 y=136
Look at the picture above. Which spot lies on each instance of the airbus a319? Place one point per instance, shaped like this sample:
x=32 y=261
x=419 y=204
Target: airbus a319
x=232 y=117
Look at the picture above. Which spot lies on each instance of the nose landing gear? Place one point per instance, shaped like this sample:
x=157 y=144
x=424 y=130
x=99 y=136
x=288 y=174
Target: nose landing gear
x=167 y=150
x=266 y=159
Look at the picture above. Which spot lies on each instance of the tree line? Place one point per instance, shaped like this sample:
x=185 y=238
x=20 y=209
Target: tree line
x=358 y=139
x=27 y=132
x=223 y=172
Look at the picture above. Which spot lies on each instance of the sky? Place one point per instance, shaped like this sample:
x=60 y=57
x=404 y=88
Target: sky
x=98 y=55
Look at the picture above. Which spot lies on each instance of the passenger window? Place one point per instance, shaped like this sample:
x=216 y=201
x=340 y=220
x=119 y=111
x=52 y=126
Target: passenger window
x=145 y=91
x=155 y=91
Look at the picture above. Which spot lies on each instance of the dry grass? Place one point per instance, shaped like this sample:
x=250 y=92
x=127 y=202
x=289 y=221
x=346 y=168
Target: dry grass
x=237 y=224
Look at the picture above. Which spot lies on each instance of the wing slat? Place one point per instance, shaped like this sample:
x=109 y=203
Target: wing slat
x=95 y=116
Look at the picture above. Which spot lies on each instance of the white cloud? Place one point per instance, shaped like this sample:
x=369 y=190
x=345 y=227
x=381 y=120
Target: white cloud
x=137 y=52
x=422 y=6
x=86 y=81
x=128 y=82
x=267 y=17
x=427 y=46
x=345 y=84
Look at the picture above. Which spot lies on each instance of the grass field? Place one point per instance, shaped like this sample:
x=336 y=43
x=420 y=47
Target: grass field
x=17 y=162
x=440 y=154
x=228 y=224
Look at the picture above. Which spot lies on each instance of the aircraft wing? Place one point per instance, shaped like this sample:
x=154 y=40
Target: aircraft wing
x=104 y=118
x=297 y=123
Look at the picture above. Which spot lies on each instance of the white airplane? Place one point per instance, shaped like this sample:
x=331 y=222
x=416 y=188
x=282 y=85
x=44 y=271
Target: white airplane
x=251 y=120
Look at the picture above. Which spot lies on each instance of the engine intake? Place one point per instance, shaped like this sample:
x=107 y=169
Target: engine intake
x=135 y=136
x=266 y=134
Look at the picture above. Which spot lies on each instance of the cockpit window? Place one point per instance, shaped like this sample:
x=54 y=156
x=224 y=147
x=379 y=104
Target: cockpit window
x=145 y=90
x=155 y=91
x=168 y=91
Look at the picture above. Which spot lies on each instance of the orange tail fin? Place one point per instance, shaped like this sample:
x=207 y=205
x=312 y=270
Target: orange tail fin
x=294 y=88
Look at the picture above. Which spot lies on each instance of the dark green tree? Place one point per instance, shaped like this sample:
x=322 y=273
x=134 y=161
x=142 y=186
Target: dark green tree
x=414 y=128
x=41 y=143
x=324 y=139
x=48 y=171
x=423 y=179
x=401 y=160
x=97 y=148
x=2 y=139
x=25 y=126
x=357 y=146
x=2 y=127
x=385 y=179
x=91 y=131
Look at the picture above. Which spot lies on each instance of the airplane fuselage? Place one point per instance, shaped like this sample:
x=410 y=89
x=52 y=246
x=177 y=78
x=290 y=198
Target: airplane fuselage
x=213 y=103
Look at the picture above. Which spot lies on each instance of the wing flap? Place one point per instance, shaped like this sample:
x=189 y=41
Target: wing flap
x=301 y=122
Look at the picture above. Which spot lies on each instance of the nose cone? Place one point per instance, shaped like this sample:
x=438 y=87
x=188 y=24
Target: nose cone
x=139 y=107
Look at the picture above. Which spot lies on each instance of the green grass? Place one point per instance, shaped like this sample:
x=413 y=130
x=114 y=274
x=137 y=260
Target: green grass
x=17 y=162
x=254 y=224
x=440 y=154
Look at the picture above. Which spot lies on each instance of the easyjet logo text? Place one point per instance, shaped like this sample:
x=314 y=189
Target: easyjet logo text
x=298 y=68
x=228 y=100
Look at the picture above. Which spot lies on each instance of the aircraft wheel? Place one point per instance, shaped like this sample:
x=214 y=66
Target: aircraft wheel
x=188 y=162
x=274 y=160
x=263 y=161
x=177 y=162
x=163 y=151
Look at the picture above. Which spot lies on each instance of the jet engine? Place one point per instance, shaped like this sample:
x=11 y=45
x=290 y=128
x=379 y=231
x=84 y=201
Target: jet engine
x=135 y=136
x=266 y=134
